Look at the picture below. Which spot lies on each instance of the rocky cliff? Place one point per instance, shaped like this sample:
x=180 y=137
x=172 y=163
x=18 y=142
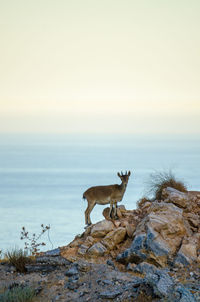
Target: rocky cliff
x=148 y=254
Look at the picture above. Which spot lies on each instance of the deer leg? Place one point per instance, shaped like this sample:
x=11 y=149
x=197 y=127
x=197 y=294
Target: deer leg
x=115 y=210
x=88 y=211
x=111 y=207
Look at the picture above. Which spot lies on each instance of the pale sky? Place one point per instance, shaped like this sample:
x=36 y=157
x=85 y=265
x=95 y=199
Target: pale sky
x=100 y=66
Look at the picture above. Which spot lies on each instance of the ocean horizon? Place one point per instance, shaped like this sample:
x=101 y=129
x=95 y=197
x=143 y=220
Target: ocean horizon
x=43 y=177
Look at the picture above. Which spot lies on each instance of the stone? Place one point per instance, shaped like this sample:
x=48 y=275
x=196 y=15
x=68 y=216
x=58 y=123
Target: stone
x=193 y=219
x=162 y=283
x=110 y=263
x=176 y=197
x=157 y=236
x=44 y=268
x=106 y=212
x=144 y=268
x=53 y=253
x=83 y=266
x=113 y=238
x=82 y=250
x=119 y=213
x=97 y=249
x=188 y=250
x=101 y=228
x=52 y=260
x=130 y=228
x=73 y=270
x=110 y=294
x=185 y=295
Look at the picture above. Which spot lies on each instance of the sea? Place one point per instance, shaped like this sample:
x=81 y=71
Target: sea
x=43 y=177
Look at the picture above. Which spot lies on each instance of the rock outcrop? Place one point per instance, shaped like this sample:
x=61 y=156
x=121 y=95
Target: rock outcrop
x=169 y=234
x=148 y=254
x=162 y=233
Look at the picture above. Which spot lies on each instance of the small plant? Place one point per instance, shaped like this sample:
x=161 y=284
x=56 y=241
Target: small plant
x=18 y=294
x=18 y=258
x=31 y=244
x=161 y=180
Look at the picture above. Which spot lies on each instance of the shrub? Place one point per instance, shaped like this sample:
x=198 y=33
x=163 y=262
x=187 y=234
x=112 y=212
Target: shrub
x=18 y=294
x=31 y=244
x=160 y=180
x=18 y=258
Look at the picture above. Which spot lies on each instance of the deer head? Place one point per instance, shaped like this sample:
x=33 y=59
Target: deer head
x=124 y=177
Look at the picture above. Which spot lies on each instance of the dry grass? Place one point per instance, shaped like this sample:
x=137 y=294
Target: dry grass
x=161 y=180
x=18 y=258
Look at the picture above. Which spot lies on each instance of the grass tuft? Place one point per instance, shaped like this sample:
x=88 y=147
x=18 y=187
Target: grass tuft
x=161 y=180
x=18 y=258
x=18 y=294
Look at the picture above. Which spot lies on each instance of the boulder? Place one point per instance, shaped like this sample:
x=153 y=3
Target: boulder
x=188 y=250
x=157 y=236
x=98 y=249
x=161 y=282
x=176 y=197
x=101 y=228
x=130 y=228
x=106 y=212
x=113 y=238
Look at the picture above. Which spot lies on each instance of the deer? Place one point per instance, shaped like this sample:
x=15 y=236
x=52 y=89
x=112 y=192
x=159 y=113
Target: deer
x=110 y=194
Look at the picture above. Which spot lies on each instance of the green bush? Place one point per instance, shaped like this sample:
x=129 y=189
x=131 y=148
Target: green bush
x=18 y=258
x=161 y=180
x=18 y=294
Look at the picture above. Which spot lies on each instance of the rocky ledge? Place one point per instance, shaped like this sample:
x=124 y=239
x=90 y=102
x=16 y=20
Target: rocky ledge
x=148 y=254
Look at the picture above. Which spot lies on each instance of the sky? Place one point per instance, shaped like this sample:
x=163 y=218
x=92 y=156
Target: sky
x=100 y=66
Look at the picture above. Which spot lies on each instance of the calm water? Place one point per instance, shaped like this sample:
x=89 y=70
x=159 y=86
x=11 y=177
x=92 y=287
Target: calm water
x=43 y=178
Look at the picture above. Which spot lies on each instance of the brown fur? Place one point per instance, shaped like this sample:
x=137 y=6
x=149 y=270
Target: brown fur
x=110 y=194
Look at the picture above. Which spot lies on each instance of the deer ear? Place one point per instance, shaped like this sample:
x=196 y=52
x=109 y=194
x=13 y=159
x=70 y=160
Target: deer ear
x=129 y=173
x=118 y=174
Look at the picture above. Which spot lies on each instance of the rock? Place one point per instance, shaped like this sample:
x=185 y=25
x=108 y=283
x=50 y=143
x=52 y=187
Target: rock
x=130 y=228
x=97 y=249
x=101 y=228
x=52 y=260
x=176 y=197
x=73 y=270
x=162 y=283
x=122 y=208
x=193 y=219
x=110 y=263
x=83 y=250
x=185 y=295
x=119 y=213
x=110 y=294
x=84 y=266
x=44 y=268
x=157 y=236
x=113 y=238
x=53 y=253
x=46 y=264
x=188 y=250
x=105 y=213
x=146 y=205
x=144 y=268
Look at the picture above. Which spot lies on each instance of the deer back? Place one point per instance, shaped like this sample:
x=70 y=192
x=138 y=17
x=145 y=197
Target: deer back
x=103 y=192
